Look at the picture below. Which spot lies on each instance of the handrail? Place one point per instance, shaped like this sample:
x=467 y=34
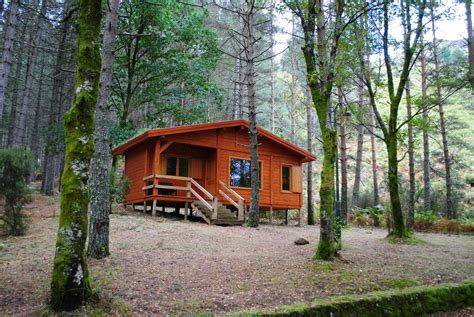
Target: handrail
x=202 y=200
x=240 y=205
x=236 y=205
x=208 y=194
x=233 y=192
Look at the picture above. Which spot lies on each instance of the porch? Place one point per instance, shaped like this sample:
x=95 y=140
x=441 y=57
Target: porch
x=227 y=208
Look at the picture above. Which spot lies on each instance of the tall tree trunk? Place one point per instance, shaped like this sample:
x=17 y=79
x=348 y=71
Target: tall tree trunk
x=309 y=165
x=241 y=65
x=373 y=148
x=426 y=141
x=102 y=162
x=36 y=40
x=398 y=228
x=34 y=144
x=360 y=149
x=70 y=284
x=15 y=98
x=470 y=41
x=10 y=30
x=293 y=85
x=253 y=216
x=272 y=72
x=411 y=161
x=450 y=208
x=343 y=157
x=51 y=146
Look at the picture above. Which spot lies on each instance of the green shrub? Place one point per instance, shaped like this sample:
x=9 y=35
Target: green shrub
x=370 y=216
x=15 y=167
x=425 y=220
x=470 y=179
x=119 y=189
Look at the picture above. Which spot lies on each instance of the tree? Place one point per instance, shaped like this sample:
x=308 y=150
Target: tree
x=6 y=61
x=360 y=145
x=100 y=207
x=450 y=209
x=343 y=159
x=164 y=60
x=14 y=170
x=36 y=40
x=70 y=284
x=470 y=41
x=248 y=15
x=391 y=128
x=426 y=137
x=54 y=130
x=309 y=165
x=411 y=160
x=320 y=68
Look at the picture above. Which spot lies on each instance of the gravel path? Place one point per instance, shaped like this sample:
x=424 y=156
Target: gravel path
x=160 y=266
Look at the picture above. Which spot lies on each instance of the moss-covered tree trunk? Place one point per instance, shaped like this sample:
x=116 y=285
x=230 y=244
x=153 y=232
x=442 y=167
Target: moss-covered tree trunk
x=398 y=226
x=320 y=70
x=70 y=284
x=327 y=244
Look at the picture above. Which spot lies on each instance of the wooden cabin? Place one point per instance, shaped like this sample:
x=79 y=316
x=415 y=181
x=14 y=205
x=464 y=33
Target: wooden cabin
x=205 y=169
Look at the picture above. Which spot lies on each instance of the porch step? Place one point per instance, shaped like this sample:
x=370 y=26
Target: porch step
x=224 y=215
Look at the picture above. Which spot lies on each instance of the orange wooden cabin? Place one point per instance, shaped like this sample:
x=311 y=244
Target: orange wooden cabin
x=207 y=167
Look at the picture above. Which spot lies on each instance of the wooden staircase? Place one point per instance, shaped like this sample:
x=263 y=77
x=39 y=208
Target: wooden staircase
x=225 y=216
x=203 y=203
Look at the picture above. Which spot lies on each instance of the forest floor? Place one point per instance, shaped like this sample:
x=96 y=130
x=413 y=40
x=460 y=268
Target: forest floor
x=162 y=266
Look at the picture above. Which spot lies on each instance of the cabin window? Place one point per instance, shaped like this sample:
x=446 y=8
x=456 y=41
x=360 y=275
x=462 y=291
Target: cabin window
x=240 y=173
x=177 y=166
x=285 y=177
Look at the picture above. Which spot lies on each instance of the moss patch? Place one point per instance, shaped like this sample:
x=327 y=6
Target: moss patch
x=413 y=301
x=409 y=240
x=400 y=282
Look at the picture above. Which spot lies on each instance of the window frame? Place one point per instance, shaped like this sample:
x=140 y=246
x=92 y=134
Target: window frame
x=178 y=159
x=260 y=162
x=290 y=167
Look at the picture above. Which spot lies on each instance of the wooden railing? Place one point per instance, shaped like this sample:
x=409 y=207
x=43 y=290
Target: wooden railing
x=239 y=204
x=211 y=203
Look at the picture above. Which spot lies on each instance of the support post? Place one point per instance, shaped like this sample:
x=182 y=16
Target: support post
x=214 y=209
x=241 y=215
x=186 y=210
x=299 y=217
x=144 y=206
x=153 y=208
x=271 y=215
x=286 y=217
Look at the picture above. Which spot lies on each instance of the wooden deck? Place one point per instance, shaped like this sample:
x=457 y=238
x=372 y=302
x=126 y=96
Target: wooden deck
x=197 y=200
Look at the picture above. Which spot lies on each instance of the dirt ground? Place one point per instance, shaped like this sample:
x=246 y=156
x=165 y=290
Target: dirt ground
x=161 y=266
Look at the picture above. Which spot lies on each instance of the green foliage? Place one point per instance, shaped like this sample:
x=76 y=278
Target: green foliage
x=119 y=189
x=168 y=65
x=425 y=220
x=370 y=216
x=15 y=167
x=470 y=179
x=121 y=134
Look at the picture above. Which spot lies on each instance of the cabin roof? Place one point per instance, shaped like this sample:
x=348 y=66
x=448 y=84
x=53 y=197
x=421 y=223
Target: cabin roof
x=307 y=156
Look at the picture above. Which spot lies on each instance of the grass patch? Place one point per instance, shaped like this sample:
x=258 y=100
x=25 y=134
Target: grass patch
x=400 y=282
x=321 y=266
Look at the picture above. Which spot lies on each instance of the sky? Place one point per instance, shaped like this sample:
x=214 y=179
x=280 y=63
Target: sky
x=454 y=28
